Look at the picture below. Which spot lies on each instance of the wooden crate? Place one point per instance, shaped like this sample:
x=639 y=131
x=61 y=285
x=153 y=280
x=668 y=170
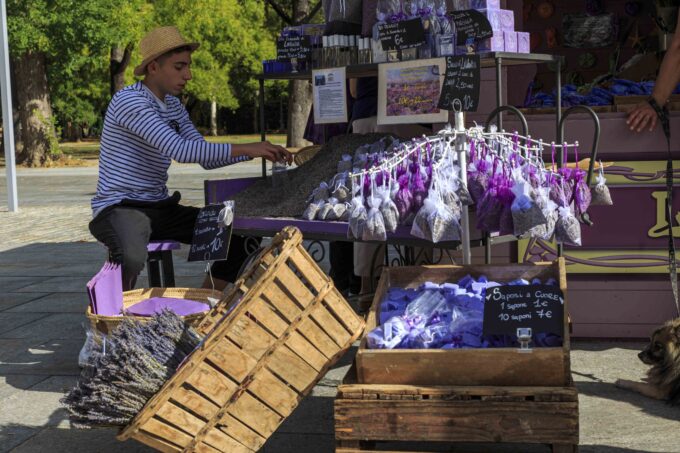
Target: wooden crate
x=627 y=104
x=493 y=366
x=286 y=328
x=369 y=413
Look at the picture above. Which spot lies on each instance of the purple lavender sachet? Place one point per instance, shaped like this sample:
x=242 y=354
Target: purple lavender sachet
x=181 y=307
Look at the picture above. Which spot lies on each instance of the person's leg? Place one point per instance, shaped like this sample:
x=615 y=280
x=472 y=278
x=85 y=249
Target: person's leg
x=125 y=232
x=341 y=255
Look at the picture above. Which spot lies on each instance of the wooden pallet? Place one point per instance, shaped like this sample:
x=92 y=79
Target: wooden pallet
x=266 y=345
x=369 y=413
x=494 y=366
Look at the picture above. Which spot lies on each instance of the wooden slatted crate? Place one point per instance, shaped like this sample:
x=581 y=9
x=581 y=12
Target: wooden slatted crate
x=369 y=413
x=266 y=344
x=493 y=366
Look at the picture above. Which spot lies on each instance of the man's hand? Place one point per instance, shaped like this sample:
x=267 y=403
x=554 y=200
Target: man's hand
x=643 y=115
x=273 y=153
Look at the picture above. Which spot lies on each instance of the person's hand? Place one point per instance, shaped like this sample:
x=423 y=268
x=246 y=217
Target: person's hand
x=273 y=153
x=643 y=115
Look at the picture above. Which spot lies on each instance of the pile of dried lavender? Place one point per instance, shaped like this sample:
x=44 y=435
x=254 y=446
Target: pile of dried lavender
x=290 y=199
x=127 y=368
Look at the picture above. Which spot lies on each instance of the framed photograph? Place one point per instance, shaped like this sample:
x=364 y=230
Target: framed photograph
x=409 y=91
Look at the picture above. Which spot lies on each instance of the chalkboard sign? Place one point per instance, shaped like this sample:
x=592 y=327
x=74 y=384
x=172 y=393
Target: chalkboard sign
x=293 y=47
x=401 y=35
x=471 y=25
x=460 y=91
x=211 y=238
x=507 y=308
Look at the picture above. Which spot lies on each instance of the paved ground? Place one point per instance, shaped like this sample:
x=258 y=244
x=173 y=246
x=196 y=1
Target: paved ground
x=46 y=257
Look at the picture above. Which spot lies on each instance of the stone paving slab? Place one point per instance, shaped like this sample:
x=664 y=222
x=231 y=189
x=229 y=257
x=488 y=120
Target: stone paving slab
x=13 y=321
x=42 y=357
x=54 y=303
x=12 y=300
x=48 y=326
x=79 y=441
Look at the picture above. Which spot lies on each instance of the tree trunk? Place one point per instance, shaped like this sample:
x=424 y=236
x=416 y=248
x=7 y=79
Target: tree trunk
x=213 y=118
x=120 y=59
x=299 y=92
x=35 y=110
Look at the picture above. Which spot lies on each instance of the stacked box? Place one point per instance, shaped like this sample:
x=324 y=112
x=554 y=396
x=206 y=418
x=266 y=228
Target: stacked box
x=510 y=41
x=523 y=42
x=500 y=19
x=476 y=4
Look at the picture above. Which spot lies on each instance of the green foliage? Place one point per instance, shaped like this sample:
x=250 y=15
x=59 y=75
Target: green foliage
x=77 y=36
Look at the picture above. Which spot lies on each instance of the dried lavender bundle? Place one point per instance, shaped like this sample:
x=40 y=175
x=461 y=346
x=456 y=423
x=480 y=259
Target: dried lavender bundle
x=128 y=368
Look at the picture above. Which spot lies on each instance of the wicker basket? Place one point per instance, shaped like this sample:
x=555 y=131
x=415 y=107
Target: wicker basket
x=267 y=343
x=106 y=324
x=306 y=153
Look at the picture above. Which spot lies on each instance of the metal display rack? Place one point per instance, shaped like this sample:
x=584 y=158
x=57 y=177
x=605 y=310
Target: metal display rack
x=497 y=60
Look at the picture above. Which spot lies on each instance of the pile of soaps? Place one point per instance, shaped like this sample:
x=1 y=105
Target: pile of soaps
x=505 y=38
x=446 y=316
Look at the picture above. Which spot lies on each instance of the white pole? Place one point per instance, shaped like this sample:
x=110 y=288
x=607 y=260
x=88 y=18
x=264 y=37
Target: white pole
x=462 y=161
x=7 y=116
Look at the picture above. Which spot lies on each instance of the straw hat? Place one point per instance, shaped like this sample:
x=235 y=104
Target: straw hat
x=159 y=41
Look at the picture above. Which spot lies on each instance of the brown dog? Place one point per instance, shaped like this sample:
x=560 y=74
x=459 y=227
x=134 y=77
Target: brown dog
x=663 y=355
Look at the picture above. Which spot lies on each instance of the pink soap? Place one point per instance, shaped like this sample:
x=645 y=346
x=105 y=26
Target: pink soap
x=510 y=41
x=523 y=42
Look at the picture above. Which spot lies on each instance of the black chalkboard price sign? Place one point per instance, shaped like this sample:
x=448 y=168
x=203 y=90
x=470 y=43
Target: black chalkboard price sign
x=460 y=91
x=211 y=238
x=471 y=25
x=508 y=308
x=293 y=47
x=401 y=35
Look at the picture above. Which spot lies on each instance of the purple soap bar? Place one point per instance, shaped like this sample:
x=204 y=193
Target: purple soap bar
x=523 y=42
x=181 y=307
x=484 y=4
x=428 y=286
x=501 y=19
x=510 y=41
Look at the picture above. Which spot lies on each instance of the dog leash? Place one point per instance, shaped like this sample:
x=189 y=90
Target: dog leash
x=662 y=113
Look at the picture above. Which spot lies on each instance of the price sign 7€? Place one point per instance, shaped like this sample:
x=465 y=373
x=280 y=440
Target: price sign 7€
x=507 y=308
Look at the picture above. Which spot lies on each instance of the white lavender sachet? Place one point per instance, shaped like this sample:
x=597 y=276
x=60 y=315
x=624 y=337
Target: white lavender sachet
x=600 y=193
x=312 y=210
x=526 y=214
x=567 y=228
x=374 y=228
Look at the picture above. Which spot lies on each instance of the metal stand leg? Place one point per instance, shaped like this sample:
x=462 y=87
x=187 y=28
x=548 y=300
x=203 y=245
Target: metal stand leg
x=168 y=269
x=487 y=248
x=153 y=270
x=560 y=139
x=499 y=90
x=462 y=161
x=263 y=134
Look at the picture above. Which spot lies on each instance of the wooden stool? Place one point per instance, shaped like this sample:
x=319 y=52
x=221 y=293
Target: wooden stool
x=159 y=265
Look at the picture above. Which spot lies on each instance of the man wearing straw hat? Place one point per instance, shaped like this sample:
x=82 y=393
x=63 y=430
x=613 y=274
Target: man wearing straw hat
x=145 y=129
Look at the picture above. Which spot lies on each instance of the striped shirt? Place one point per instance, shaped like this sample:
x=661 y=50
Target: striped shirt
x=141 y=137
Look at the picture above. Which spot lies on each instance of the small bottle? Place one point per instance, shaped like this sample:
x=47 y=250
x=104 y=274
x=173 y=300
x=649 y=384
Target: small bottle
x=367 y=48
x=324 y=52
x=360 y=54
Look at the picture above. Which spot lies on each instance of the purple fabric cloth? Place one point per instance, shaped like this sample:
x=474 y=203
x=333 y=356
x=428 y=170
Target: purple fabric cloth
x=181 y=307
x=106 y=291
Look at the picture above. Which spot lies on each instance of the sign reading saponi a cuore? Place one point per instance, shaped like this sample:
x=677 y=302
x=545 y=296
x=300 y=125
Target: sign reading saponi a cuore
x=401 y=35
x=460 y=91
x=293 y=47
x=508 y=308
x=211 y=238
x=470 y=25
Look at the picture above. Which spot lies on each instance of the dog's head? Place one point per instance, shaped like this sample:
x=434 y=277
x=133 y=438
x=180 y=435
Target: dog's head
x=664 y=344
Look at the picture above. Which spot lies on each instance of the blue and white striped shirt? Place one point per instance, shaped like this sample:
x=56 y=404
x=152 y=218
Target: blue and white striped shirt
x=140 y=140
